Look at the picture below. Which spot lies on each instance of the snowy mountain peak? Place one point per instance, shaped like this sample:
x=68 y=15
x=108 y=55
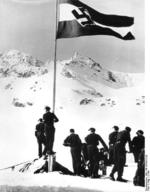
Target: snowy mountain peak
x=15 y=57
x=77 y=58
x=16 y=63
x=86 y=69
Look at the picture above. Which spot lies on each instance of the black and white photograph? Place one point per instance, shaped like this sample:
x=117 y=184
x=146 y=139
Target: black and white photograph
x=73 y=108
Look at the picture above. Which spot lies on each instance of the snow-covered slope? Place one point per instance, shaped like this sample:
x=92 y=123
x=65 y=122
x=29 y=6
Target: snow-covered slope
x=86 y=95
x=61 y=182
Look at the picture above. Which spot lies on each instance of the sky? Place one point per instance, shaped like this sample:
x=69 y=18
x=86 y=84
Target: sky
x=29 y=26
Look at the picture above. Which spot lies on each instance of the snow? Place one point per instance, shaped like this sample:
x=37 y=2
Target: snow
x=54 y=179
x=17 y=125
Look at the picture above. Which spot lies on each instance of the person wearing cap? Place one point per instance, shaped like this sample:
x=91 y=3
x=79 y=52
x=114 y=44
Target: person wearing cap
x=74 y=142
x=39 y=133
x=123 y=137
x=112 y=140
x=49 y=120
x=92 y=141
x=138 y=143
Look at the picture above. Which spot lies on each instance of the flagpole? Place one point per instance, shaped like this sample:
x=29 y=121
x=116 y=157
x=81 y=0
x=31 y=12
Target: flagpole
x=55 y=59
x=51 y=157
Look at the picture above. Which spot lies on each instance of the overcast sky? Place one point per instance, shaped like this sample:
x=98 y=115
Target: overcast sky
x=29 y=26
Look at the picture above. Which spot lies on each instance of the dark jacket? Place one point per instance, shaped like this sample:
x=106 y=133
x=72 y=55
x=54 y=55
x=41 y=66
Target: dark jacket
x=39 y=129
x=139 y=178
x=94 y=139
x=49 y=118
x=123 y=137
x=113 y=137
x=138 y=143
x=73 y=140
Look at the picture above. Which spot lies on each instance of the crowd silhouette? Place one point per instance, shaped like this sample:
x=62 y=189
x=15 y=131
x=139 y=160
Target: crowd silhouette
x=87 y=158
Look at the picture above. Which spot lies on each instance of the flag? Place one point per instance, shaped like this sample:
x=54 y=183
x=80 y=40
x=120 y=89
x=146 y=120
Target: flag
x=78 y=19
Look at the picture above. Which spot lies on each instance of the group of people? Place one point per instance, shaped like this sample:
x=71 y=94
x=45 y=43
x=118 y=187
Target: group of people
x=117 y=152
x=85 y=153
x=86 y=156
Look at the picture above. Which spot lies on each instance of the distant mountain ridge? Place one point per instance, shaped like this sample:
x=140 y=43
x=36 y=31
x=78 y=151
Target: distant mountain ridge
x=80 y=68
x=86 y=69
x=16 y=63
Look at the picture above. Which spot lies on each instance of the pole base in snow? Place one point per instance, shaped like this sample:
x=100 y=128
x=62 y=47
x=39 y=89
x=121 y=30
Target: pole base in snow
x=51 y=159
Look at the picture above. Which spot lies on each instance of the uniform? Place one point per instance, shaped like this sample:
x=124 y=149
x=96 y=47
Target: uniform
x=74 y=142
x=39 y=133
x=138 y=143
x=49 y=119
x=92 y=141
x=120 y=153
x=139 y=178
x=112 y=141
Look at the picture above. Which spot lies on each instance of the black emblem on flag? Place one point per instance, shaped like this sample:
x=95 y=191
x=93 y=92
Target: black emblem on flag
x=83 y=16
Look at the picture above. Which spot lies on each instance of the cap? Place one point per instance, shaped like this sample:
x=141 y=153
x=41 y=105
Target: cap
x=92 y=129
x=71 y=130
x=47 y=108
x=128 y=129
x=140 y=131
x=116 y=127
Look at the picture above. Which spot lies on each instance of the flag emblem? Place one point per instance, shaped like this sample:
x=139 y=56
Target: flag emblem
x=82 y=16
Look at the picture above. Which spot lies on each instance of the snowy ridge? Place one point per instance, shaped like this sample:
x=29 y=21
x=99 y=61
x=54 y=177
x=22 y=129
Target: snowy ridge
x=84 y=68
x=16 y=63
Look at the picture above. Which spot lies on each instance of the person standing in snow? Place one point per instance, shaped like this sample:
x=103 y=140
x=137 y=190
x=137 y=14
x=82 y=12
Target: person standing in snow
x=74 y=142
x=92 y=141
x=39 y=133
x=112 y=141
x=120 y=154
x=49 y=120
x=138 y=143
x=139 y=178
